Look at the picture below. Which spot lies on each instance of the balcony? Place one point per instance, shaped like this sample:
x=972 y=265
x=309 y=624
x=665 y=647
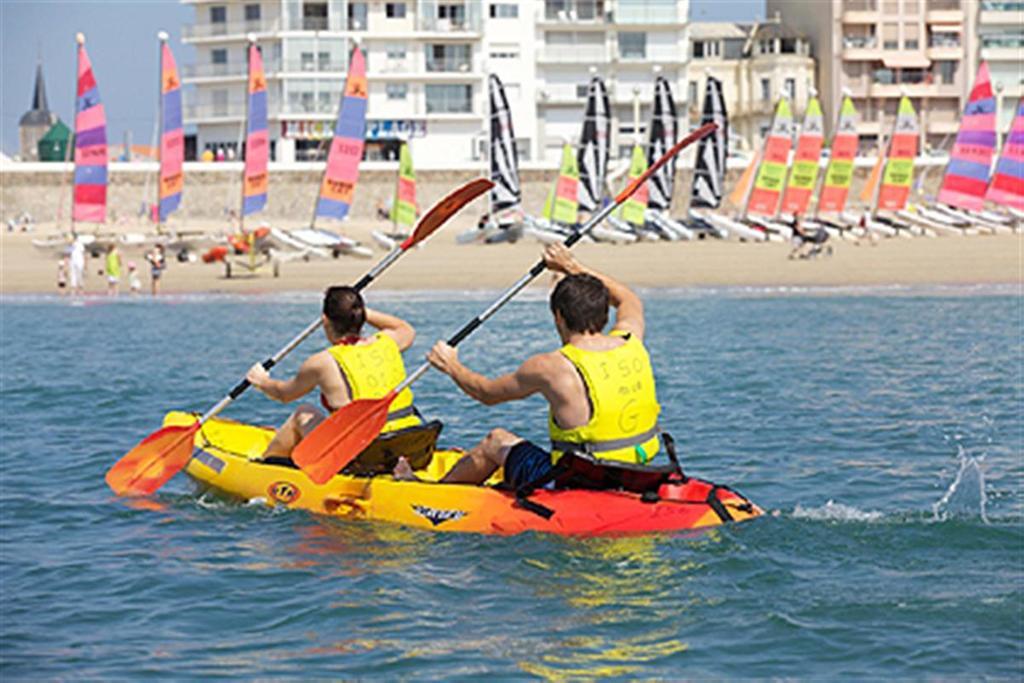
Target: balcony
x=653 y=54
x=233 y=30
x=449 y=65
x=1005 y=18
x=860 y=48
x=574 y=11
x=209 y=112
x=311 y=67
x=464 y=18
x=237 y=70
x=556 y=93
x=944 y=12
x=861 y=12
x=652 y=12
x=1002 y=48
x=569 y=54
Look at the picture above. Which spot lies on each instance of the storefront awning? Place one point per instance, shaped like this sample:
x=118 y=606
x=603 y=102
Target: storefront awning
x=906 y=60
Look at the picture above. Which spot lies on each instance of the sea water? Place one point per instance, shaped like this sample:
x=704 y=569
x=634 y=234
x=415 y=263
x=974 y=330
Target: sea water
x=880 y=429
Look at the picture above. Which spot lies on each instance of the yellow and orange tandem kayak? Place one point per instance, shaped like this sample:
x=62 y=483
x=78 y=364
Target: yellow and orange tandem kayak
x=228 y=459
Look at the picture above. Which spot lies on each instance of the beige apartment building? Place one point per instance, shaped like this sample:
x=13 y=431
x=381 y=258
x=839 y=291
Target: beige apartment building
x=757 y=64
x=881 y=49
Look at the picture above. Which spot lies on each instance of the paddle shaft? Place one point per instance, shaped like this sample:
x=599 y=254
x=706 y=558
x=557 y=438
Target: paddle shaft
x=273 y=360
x=539 y=267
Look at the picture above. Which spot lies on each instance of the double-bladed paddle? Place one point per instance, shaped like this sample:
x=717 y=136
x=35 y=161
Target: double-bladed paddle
x=346 y=433
x=162 y=454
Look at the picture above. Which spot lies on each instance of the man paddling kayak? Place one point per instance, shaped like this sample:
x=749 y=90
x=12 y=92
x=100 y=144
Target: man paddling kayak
x=353 y=367
x=599 y=387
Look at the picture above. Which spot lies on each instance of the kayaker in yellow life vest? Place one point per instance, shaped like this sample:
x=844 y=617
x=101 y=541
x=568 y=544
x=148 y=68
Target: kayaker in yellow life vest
x=353 y=367
x=599 y=387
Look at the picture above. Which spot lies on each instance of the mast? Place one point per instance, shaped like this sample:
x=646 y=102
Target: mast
x=161 y=40
x=245 y=129
x=80 y=41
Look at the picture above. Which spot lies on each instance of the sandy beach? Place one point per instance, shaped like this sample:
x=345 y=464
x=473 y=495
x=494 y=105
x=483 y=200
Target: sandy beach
x=441 y=264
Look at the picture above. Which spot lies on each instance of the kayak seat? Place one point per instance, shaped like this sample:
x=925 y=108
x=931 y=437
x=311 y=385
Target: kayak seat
x=416 y=444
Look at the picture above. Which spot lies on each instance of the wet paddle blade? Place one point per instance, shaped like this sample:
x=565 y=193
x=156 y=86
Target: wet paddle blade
x=153 y=462
x=445 y=208
x=339 y=439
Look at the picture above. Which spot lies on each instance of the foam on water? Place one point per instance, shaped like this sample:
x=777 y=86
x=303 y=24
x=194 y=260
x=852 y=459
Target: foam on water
x=965 y=496
x=836 y=512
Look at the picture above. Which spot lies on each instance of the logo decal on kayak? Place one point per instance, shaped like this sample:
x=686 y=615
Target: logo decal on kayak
x=284 y=492
x=436 y=516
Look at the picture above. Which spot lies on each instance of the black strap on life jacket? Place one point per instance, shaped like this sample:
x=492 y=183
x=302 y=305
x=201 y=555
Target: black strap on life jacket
x=716 y=505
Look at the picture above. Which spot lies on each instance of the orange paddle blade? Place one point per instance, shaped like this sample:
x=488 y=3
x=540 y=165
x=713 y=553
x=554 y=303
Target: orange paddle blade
x=152 y=463
x=445 y=208
x=341 y=437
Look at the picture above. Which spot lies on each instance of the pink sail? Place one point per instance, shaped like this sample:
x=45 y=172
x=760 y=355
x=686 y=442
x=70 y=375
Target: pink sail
x=1007 y=186
x=257 y=140
x=90 y=195
x=967 y=174
x=337 y=189
x=172 y=140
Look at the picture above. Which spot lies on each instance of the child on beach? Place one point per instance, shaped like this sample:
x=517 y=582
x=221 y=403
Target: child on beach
x=134 y=283
x=113 y=268
x=62 y=275
x=157 y=263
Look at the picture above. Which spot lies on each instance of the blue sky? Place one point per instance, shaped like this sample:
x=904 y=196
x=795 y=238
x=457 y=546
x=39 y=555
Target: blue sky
x=122 y=43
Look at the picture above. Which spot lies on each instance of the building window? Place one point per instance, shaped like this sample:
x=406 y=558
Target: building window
x=766 y=90
x=220 y=102
x=504 y=10
x=945 y=71
x=890 y=37
x=504 y=54
x=218 y=14
x=449 y=99
x=252 y=12
x=581 y=91
x=396 y=52
x=219 y=56
x=788 y=46
x=455 y=14
x=314 y=16
x=698 y=49
x=632 y=45
x=397 y=91
x=448 y=58
x=692 y=93
x=791 y=88
x=394 y=10
x=766 y=47
x=734 y=48
x=357 y=16
x=910 y=44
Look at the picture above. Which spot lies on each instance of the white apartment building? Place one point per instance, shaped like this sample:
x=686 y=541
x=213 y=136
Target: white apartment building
x=1001 y=43
x=882 y=49
x=757 y=64
x=427 y=66
x=426 y=71
x=627 y=43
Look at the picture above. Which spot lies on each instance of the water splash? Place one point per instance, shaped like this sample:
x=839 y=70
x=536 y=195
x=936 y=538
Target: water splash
x=966 y=495
x=836 y=512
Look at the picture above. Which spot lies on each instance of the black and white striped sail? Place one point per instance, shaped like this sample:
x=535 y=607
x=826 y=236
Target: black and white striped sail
x=592 y=157
x=506 y=193
x=663 y=134
x=712 y=151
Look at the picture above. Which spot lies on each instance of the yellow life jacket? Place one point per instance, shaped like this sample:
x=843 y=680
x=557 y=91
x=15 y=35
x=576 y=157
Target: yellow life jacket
x=623 y=423
x=371 y=371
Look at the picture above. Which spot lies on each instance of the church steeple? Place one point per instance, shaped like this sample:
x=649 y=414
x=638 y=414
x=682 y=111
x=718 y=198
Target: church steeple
x=39 y=96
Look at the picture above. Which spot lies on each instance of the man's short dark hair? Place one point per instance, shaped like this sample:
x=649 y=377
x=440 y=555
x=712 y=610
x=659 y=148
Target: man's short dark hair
x=344 y=309
x=582 y=301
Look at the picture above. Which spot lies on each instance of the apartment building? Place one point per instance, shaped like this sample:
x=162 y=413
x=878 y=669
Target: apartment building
x=757 y=64
x=881 y=49
x=427 y=62
x=1000 y=31
x=626 y=42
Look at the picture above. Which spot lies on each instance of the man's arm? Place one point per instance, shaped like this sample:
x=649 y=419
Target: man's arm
x=402 y=332
x=526 y=380
x=629 y=310
x=286 y=391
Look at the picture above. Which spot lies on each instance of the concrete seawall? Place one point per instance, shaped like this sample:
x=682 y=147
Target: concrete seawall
x=211 y=190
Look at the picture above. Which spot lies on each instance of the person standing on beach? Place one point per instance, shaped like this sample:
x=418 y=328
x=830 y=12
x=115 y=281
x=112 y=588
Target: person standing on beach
x=157 y=264
x=354 y=367
x=113 y=268
x=599 y=387
x=134 y=283
x=77 y=263
x=62 y=275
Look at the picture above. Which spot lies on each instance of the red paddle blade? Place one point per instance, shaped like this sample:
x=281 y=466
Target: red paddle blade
x=341 y=437
x=153 y=462
x=445 y=208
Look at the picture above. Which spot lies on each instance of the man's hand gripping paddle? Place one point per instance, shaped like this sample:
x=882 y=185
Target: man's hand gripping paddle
x=345 y=434
x=162 y=454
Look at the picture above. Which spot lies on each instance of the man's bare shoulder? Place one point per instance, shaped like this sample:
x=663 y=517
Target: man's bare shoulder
x=545 y=366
